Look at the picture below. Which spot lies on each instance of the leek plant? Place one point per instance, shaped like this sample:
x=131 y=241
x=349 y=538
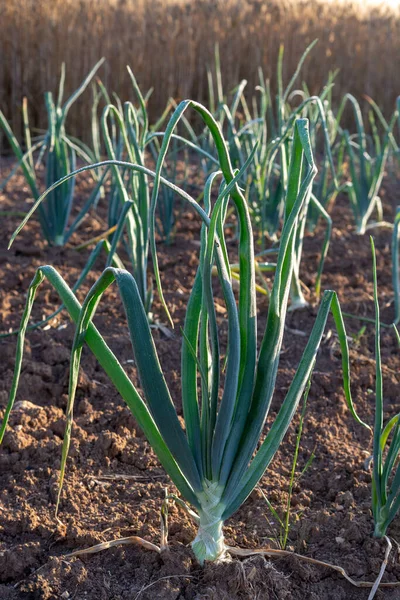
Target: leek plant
x=367 y=159
x=168 y=208
x=384 y=123
x=267 y=122
x=275 y=191
x=325 y=186
x=313 y=107
x=59 y=152
x=386 y=452
x=217 y=105
x=271 y=126
x=127 y=135
x=211 y=460
x=130 y=196
x=396 y=265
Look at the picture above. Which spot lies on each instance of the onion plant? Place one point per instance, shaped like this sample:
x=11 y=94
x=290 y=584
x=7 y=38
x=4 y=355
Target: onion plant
x=275 y=191
x=384 y=123
x=217 y=104
x=130 y=195
x=367 y=159
x=127 y=135
x=59 y=152
x=396 y=265
x=325 y=186
x=386 y=445
x=269 y=122
x=271 y=126
x=168 y=208
x=266 y=121
x=216 y=460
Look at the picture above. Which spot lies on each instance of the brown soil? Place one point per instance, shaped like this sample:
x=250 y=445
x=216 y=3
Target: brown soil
x=331 y=517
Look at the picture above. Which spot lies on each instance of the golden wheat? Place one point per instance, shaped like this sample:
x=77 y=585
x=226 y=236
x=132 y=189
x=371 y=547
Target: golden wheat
x=168 y=44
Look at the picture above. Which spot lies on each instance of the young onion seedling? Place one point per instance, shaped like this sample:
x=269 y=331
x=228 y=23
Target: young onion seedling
x=386 y=466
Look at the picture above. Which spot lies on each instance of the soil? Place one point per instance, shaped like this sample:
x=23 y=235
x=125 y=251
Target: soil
x=114 y=484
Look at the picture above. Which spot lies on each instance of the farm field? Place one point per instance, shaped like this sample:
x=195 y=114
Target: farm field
x=331 y=517
x=200 y=317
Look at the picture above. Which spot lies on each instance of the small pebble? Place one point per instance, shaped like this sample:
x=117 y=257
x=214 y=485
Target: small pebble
x=339 y=540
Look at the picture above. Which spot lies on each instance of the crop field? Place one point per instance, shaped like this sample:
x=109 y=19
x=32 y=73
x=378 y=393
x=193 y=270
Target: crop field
x=199 y=301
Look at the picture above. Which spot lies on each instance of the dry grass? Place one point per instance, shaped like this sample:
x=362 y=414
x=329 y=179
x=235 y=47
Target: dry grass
x=168 y=43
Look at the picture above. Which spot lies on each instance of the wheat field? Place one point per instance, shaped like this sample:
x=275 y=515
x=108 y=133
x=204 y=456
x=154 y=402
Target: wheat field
x=169 y=43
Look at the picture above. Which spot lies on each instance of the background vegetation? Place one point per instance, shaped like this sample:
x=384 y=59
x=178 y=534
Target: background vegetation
x=168 y=43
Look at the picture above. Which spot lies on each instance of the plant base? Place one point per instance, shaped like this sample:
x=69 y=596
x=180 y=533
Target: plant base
x=380 y=529
x=209 y=543
x=59 y=240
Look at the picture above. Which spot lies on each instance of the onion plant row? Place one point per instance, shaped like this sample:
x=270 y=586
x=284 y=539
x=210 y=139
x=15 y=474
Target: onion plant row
x=367 y=155
x=266 y=118
x=270 y=123
x=123 y=133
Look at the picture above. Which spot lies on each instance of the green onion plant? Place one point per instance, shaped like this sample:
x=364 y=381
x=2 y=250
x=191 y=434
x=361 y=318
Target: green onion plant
x=324 y=139
x=271 y=126
x=367 y=159
x=393 y=147
x=59 y=151
x=129 y=204
x=396 y=265
x=386 y=444
x=128 y=137
x=219 y=456
x=168 y=206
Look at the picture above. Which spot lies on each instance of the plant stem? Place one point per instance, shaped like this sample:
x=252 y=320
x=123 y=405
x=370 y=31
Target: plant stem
x=380 y=526
x=286 y=526
x=209 y=543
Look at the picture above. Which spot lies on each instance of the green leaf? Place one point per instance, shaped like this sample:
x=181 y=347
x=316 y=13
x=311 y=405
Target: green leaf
x=113 y=369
